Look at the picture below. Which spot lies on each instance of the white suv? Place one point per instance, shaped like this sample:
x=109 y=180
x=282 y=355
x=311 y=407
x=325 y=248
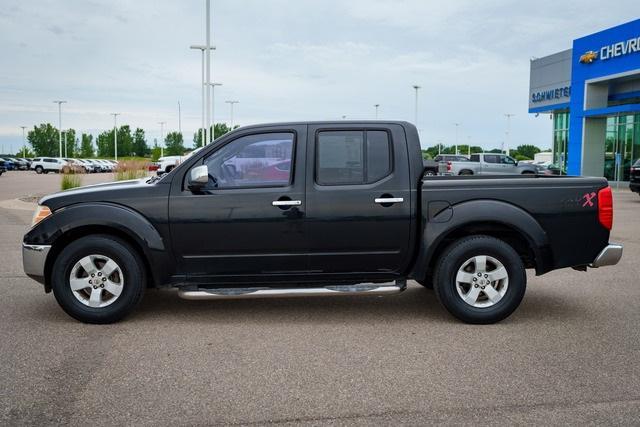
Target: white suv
x=47 y=164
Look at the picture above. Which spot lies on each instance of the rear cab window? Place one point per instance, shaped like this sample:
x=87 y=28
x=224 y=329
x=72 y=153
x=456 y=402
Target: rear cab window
x=352 y=157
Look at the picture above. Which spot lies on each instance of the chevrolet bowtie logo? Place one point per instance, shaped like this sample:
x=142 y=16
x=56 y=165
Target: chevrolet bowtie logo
x=588 y=57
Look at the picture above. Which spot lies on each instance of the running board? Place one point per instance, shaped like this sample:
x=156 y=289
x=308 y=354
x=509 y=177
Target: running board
x=245 y=293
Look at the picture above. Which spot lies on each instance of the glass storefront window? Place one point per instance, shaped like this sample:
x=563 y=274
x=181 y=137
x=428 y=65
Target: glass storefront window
x=622 y=139
x=560 y=139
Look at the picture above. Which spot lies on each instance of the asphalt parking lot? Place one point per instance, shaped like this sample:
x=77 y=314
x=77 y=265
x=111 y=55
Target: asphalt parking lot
x=570 y=353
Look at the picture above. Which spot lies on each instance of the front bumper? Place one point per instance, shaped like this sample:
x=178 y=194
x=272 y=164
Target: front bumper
x=610 y=255
x=33 y=260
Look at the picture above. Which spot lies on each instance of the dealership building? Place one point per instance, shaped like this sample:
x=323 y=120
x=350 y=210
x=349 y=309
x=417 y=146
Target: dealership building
x=592 y=92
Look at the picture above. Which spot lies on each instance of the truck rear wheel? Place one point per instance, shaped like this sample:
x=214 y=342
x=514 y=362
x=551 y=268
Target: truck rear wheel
x=39 y=170
x=466 y=172
x=480 y=279
x=98 y=279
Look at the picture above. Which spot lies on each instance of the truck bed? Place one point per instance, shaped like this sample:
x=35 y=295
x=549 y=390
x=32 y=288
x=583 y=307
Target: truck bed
x=564 y=207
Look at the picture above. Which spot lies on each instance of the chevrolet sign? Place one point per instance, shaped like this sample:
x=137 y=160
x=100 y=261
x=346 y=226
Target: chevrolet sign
x=612 y=51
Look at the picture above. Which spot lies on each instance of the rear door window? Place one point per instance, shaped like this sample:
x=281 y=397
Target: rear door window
x=352 y=157
x=490 y=158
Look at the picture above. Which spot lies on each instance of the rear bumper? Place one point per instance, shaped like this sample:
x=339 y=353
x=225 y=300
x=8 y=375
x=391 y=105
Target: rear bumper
x=610 y=255
x=635 y=187
x=33 y=260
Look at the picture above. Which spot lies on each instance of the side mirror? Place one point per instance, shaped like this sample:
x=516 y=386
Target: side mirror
x=198 y=177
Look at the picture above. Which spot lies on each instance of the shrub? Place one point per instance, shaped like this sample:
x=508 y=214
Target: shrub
x=70 y=180
x=131 y=169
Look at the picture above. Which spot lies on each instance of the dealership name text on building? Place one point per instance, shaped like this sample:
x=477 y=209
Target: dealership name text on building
x=548 y=95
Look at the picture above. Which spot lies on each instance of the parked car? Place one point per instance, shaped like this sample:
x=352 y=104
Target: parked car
x=432 y=167
x=9 y=164
x=634 y=177
x=27 y=161
x=105 y=166
x=168 y=163
x=18 y=164
x=348 y=212
x=489 y=164
x=3 y=168
x=47 y=164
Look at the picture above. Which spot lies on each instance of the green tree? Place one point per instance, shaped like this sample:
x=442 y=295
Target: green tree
x=69 y=140
x=106 y=146
x=44 y=140
x=156 y=151
x=219 y=130
x=139 y=146
x=86 y=146
x=527 y=150
x=174 y=145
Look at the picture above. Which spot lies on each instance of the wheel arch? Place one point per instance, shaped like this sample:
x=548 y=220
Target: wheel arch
x=484 y=217
x=71 y=223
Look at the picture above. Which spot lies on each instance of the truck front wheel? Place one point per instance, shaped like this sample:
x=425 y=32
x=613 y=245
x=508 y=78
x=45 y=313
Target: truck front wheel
x=480 y=279
x=98 y=279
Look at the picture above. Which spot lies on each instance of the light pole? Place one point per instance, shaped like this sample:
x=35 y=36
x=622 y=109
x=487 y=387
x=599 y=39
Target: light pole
x=202 y=49
x=376 y=106
x=457 y=125
x=469 y=145
x=213 y=107
x=162 y=138
x=179 y=119
x=60 y=126
x=24 y=143
x=415 y=120
x=508 y=138
x=231 y=108
x=208 y=45
x=66 y=143
x=115 y=134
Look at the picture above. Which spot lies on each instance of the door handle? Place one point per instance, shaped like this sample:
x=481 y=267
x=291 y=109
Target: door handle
x=383 y=200
x=286 y=203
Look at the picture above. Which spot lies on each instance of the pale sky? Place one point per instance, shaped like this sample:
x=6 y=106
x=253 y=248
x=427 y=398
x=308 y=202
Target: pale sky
x=287 y=60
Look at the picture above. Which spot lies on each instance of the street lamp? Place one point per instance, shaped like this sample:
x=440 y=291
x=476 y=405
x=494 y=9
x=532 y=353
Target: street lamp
x=202 y=49
x=508 y=138
x=213 y=106
x=115 y=134
x=60 y=125
x=376 y=106
x=415 y=121
x=24 y=143
x=162 y=138
x=457 y=125
x=231 y=108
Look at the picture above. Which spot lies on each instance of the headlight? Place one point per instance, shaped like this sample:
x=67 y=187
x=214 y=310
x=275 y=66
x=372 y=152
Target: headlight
x=41 y=213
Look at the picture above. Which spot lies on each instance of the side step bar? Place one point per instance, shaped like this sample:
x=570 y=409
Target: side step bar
x=245 y=293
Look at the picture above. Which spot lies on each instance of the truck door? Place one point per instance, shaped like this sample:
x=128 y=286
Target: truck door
x=358 y=200
x=248 y=221
x=491 y=165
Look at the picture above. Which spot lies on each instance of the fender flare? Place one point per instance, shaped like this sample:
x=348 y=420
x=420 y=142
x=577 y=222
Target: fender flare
x=124 y=220
x=454 y=217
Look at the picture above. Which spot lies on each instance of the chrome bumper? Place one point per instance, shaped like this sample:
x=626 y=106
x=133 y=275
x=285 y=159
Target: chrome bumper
x=610 y=255
x=33 y=259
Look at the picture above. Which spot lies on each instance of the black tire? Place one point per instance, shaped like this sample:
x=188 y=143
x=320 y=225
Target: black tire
x=39 y=170
x=429 y=172
x=169 y=169
x=454 y=258
x=528 y=173
x=466 y=172
x=123 y=254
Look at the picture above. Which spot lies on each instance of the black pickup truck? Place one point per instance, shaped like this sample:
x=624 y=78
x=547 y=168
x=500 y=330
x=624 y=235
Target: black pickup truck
x=315 y=209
